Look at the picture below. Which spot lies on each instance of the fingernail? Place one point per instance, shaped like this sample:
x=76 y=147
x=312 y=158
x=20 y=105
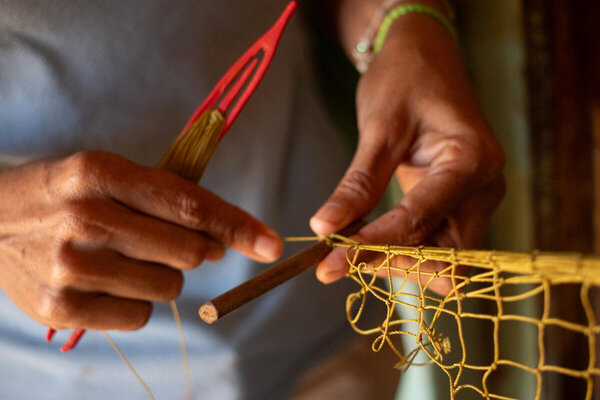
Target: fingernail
x=268 y=246
x=328 y=218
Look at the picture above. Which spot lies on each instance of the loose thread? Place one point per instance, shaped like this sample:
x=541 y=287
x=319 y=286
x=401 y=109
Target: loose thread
x=187 y=157
x=133 y=371
x=184 y=354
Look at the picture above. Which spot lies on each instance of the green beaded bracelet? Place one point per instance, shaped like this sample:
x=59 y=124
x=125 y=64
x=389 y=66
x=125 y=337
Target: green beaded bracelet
x=409 y=9
x=368 y=47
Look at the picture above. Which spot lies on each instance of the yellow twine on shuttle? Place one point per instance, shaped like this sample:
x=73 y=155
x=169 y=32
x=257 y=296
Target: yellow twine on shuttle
x=190 y=153
x=187 y=157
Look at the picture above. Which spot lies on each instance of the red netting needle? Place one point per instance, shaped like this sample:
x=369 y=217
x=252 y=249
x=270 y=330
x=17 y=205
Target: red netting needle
x=73 y=340
x=50 y=334
x=239 y=82
x=253 y=63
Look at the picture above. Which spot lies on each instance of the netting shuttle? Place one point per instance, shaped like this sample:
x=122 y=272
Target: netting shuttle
x=250 y=68
x=229 y=96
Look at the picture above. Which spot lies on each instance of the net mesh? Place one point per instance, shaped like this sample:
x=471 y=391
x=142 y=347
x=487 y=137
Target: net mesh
x=439 y=325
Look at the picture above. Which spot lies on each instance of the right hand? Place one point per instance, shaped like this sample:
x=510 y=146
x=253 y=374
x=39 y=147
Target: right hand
x=89 y=241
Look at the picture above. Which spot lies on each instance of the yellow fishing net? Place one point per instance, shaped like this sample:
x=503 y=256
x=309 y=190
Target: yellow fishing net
x=509 y=282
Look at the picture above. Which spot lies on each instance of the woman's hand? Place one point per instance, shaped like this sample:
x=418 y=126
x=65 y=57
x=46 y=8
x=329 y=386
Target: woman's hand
x=89 y=241
x=417 y=117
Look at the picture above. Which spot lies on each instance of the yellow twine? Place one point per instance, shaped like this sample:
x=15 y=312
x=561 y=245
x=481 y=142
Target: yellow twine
x=492 y=272
x=184 y=353
x=190 y=153
x=133 y=371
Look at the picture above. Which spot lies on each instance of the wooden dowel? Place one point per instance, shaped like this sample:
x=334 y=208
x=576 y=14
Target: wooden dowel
x=240 y=295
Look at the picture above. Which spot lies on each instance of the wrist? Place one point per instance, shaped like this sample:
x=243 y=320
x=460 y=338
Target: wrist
x=354 y=16
x=392 y=13
x=415 y=31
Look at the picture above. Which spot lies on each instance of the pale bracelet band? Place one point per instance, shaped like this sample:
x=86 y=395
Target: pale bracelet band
x=374 y=38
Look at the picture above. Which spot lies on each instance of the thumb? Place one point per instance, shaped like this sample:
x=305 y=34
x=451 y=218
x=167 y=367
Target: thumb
x=359 y=191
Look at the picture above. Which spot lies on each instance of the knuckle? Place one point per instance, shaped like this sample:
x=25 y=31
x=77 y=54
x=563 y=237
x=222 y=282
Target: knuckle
x=171 y=287
x=464 y=155
x=194 y=255
x=480 y=159
x=53 y=309
x=476 y=160
x=88 y=170
x=189 y=207
x=63 y=271
x=357 y=185
x=141 y=316
x=79 y=219
x=84 y=160
x=48 y=308
x=238 y=230
x=93 y=160
x=83 y=167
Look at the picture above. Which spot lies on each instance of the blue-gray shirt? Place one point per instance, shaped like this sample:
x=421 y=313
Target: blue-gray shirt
x=124 y=76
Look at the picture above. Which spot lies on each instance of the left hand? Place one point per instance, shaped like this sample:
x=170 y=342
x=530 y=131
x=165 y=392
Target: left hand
x=418 y=117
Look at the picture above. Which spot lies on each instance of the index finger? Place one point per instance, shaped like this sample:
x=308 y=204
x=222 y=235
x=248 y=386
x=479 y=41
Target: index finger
x=169 y=197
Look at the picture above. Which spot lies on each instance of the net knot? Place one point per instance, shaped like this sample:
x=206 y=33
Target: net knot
x=328 y=240
x=334 y=240
x=526 y=274
x=442 y=343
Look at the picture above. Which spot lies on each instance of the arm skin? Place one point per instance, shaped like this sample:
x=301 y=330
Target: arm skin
x=418 y=119
x=89 y=241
